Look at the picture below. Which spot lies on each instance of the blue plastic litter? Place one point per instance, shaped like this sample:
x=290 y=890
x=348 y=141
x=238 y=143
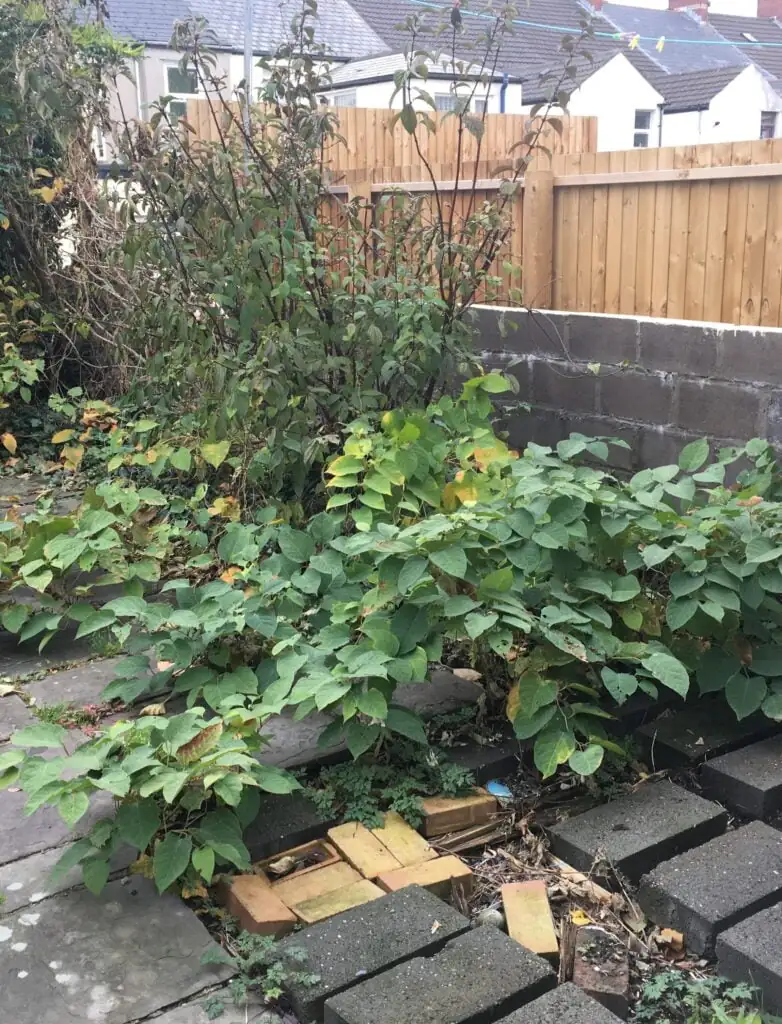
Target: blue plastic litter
x=499 y=789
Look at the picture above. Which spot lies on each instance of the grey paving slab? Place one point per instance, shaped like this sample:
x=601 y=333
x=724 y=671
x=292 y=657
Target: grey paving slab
x=351 y=947
x=193 y=1012
x=638 y=831
x=21 y=835
x=14 y=714
x=564 y=1005
x=290 y=743
x=104 y=960
x=284 y=822
x=475 y=979
x=752 y=952
x=21 y=660
x=698 y=733
x=78 y=686
x=707 y=890
x=28 y=881
x=748 y=780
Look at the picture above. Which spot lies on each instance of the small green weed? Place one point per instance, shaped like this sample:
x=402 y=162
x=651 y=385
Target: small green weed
x=404 y=773
x=71 y=716
x=673 y=998
x=260 y=969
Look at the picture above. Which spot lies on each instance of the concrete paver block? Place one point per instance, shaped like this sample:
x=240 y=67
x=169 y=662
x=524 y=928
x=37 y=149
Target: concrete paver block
x=564 y=1005
x=441 y=876
x=698 y=733
x=474 y=979
x=444 y=814
x=360 y=943
x=601 y=968
x=748 y=780
x=404 y=842
x=752 y=952
x=338 y=901
x=284 y=822
x=362 y=850
x=529 y=918
x=78 y=686
x=108 y=959
x=310 y=884
x=638 y=831
x=257 y=908
x=487 y=762
x=708 y=890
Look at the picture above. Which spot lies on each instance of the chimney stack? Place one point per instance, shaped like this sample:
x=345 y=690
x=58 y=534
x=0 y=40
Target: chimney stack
x=770 y=8
x=700 y=8
x=597 y=5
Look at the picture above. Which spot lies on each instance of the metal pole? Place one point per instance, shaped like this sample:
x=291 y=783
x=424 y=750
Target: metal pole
x=248 y=61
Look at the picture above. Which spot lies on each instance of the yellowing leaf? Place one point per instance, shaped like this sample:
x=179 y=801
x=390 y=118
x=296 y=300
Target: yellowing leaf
x=150 y=455
x=200 y=744
x=41 y=172
x=513 y=702
x=153 y=711
x=197 y=889
x=142 y=866
x=5 y=223
x=47 y=193
x=228 y=507
x=579 y=918
x=62 y=436
x=230 y=574
x=215 y=453
x=9 y=442
x=72 y=456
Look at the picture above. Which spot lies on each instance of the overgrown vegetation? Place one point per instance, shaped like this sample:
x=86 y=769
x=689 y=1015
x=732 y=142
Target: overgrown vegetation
x=301 y=506
x=260 y=968
x=674 y=998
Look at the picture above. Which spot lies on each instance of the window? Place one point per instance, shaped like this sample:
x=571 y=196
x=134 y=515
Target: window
x=445 y=101
x=98 y=143
x=768 y=124
x=181 y=84
x=481 y=106
x=643 y=127
x=347 y=98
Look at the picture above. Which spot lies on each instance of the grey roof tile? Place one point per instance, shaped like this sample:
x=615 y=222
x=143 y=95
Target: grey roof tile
x=765 y=30
x=694 y=90
x=699 y=45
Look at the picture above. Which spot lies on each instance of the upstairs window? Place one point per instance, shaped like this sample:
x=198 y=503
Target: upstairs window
x=346 y=98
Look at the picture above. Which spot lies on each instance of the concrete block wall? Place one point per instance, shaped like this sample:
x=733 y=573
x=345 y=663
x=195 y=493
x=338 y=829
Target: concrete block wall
x=658 y=384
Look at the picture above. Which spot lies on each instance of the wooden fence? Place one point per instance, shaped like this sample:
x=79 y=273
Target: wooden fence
x=691 y=232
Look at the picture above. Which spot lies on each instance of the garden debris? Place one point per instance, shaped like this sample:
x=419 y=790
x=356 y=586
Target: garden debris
x=299 y=861
x=473 y=837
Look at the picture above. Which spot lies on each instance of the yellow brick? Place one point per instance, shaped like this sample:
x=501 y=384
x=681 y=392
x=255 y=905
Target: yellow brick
x=332 y=903
x=298 y=889
x=450 y=814
x=529 y=919
x=402 y=841
x=440 y=876
x=362 y=850
x=258 y=909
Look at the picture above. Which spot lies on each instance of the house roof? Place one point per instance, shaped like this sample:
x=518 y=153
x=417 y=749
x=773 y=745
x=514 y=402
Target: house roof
x=379 y=69
x=338 y=26
x=694 y=90
x=698 y=47
x=765 y=30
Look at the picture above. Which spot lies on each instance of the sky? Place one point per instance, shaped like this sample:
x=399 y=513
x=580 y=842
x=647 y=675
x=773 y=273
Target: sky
x=746 y=7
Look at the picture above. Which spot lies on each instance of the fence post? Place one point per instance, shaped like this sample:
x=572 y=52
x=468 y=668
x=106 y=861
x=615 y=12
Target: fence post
x=537 y=252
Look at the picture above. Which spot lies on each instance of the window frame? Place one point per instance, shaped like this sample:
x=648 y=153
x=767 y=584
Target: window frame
x=342 y=94
x=642 y=133
x=774 y=115
x=178 y=98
